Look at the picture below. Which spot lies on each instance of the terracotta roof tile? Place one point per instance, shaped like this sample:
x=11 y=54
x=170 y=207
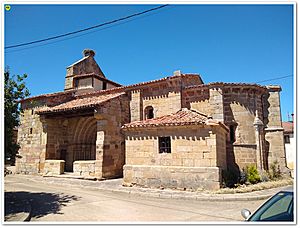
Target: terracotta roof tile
x=230 y=84
x=133 y=86
x=79 y=103
x=288 y=127
x=180 y=118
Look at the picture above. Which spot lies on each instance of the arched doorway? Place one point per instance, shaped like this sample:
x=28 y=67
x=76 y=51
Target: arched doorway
x=82 y=146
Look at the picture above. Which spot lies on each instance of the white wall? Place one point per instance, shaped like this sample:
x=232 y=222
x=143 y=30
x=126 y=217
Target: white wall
x=290 y=150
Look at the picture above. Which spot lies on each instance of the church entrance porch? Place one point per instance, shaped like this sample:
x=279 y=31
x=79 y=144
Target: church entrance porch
x=88 y=140
x=71 y=145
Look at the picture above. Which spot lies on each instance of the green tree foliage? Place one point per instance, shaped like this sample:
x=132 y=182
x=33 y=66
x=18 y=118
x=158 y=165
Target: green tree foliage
x=14 y=90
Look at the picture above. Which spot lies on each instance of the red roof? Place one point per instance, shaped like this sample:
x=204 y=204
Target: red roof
x=79 y=103
x=181 y=118
x=229 y=84
x=288 y=127
x=112 y=90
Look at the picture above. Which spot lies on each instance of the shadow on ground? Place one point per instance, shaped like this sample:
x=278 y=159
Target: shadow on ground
x=41 y=203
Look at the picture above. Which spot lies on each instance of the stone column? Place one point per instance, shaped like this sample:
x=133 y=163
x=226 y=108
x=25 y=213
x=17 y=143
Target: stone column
x=258 y=124
x=43 y=143
x=216 y=103
x=274 y=130
x=101 y=123
x=136 y=107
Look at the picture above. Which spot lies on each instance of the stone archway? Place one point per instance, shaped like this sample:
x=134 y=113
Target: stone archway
x=82 y=140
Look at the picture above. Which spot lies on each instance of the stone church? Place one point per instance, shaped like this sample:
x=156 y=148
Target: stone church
x=175 y=132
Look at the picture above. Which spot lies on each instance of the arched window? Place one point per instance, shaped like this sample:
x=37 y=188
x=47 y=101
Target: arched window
x=149 y=112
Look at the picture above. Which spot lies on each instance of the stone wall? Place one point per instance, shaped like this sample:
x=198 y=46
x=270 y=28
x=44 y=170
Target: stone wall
x=85 y=168
x=164 y=97
x=84 y=66
x=54 y=167
x=275 y=149
x=235 y=106
x=110 y=151
x=221 y=137
x=136 y=108
x=33 y=133
x=172 y=99
x=197 y=99
x=32 y=141
x=191 y=147
x=240 y=106
x=176 y=177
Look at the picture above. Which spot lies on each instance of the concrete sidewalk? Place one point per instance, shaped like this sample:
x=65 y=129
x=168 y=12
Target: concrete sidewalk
x=18 y=209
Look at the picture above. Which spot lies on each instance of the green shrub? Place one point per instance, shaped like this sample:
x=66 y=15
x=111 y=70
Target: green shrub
x=252 y=174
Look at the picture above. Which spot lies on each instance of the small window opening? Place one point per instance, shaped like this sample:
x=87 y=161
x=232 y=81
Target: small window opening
x=32 y=112
x=232 y=134
x=104 y=85
x=76 y=83
x=30 y=131
x=149 y=112
x=164 y=144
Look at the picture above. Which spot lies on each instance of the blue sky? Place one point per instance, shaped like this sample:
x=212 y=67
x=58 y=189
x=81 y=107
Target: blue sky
x=229 y=43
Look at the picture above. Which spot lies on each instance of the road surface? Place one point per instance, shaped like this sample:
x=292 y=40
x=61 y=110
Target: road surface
x=57 y=203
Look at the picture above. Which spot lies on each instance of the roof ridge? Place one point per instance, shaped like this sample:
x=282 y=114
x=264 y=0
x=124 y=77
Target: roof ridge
x=121 y=88
x=226 y=84
x=88 y=103
x=78 y=61
x=195 y=111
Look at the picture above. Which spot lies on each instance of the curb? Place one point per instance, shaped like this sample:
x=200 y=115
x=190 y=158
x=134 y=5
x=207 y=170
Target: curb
x=190 y=196
x=173 y=194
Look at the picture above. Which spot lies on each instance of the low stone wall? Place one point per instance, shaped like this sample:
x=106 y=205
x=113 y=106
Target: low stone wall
x=193 y=178
x=84 y=168
x=54 y=167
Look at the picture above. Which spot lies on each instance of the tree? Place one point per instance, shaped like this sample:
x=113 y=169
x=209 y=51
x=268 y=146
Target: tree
x=14 y=90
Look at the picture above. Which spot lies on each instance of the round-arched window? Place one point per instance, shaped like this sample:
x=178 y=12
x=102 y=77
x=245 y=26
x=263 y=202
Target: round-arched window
x=149 y=112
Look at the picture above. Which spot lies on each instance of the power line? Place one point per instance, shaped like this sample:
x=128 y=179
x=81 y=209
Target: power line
x=86 y=29
x=84 y=34
x=273 y=79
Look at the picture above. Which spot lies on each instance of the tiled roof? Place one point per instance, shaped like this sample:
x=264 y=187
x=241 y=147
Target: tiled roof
x=181 y=118
x=112 y=90
x=133 y=86
x=230 y=84
x=48 y=95
x=288 y=127
x=79 y=103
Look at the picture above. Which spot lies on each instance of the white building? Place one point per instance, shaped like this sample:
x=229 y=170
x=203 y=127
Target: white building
x=290 y=144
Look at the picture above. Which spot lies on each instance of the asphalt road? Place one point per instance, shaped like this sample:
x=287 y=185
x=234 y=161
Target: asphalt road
x=56 y=203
